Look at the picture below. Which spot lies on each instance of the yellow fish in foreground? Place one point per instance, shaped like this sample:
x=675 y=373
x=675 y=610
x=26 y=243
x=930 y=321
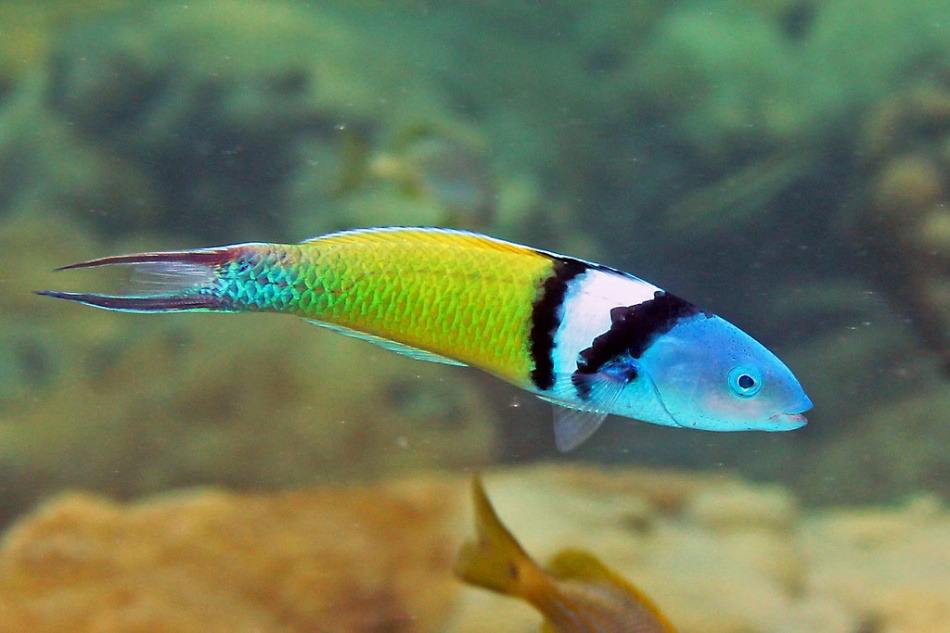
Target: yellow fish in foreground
x=576 y=593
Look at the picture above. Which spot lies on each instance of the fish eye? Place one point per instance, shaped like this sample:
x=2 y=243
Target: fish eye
x=745 y=381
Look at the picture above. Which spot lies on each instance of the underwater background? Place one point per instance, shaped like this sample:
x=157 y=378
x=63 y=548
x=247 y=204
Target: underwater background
x=783 y=163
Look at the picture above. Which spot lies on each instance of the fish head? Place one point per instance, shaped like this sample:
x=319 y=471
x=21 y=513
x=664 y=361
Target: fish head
x=709 y=374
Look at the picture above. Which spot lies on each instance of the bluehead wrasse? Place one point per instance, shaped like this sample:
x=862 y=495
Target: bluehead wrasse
x=576 y=593
x=590 y=339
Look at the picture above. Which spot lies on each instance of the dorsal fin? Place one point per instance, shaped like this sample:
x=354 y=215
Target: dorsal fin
x=580 y=566
x=576 y=564
x=421 y=235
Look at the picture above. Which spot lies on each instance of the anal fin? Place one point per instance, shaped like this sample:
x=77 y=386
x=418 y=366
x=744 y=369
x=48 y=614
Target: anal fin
x=392 y=346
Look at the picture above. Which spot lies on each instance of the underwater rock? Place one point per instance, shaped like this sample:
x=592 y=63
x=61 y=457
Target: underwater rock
x=50 y=174
x=690 y=71
x=334 y=560
x=29 y=27
x=729 y=506
x=906 y=208
x=891 y=566
x=379 y=558
x=897 y=448
x=737 y=76
x=210 y=100
x=834 y=570
x=233 y=118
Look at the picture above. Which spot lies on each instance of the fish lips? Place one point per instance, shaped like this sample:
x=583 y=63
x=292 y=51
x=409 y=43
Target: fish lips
x=792 y=420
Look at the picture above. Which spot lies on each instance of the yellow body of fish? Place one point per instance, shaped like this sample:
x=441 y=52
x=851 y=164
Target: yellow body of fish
x=454 y=294
x=576 y=593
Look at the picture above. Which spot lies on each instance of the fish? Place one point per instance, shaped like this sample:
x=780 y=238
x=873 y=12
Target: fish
x=576 y=593
x=446 y=169
x=590 y=339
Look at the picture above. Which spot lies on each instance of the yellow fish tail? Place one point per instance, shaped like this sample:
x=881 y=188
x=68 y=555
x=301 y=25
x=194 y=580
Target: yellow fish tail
x=576 y=594
x=495 y=560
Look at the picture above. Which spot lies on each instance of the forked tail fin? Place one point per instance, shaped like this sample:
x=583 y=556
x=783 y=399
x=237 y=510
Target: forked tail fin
x=494 y=560
x=171 y=281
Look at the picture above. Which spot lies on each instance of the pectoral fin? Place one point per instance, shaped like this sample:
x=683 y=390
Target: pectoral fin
x=572 y=426
x=582 y=401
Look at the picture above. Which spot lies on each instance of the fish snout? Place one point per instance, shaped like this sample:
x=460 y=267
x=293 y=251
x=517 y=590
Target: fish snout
x=794 y=418
x=787 y=421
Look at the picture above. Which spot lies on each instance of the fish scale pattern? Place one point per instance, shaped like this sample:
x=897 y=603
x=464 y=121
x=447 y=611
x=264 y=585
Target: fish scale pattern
x=260 y=277
x=462 y=296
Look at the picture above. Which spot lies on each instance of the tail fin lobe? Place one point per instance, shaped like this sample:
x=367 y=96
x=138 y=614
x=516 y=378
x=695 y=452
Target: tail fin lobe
x=170 y=281
x=135 y=304
x=205 y=256
x=494 y=560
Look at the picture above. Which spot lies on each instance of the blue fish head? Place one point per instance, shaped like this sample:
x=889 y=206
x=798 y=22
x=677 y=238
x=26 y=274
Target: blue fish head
x=709 y=374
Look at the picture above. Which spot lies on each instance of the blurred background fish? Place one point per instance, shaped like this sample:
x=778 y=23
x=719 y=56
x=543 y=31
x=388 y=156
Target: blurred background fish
x=447 y=169
x=576 y=593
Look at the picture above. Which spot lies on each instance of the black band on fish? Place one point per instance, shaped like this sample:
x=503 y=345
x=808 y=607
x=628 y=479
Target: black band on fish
x=632 y=329
x=546 y=315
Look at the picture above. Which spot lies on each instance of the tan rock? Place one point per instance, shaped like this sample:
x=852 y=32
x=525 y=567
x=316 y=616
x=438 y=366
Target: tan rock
x=737 y=505
x=378 y=559
x=908 y=185
x=890 y=566
x=330 y=560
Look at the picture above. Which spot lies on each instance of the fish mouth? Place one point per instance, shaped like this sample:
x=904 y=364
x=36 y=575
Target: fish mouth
x=788 y=421
x=793 y=419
